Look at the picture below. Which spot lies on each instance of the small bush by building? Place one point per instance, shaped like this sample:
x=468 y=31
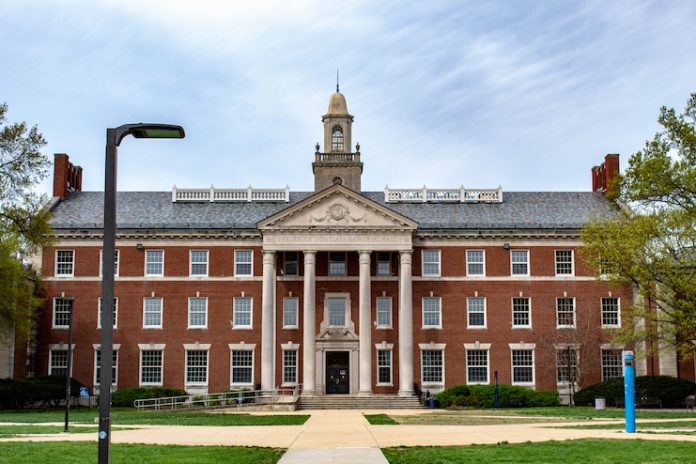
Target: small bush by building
x=38 y=392
x=509 y=396
x=669 y=390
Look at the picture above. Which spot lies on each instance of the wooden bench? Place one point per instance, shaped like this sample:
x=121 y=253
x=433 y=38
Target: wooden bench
x=641 y=402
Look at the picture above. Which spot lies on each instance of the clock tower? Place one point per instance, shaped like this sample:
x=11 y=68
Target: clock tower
x=337 y=164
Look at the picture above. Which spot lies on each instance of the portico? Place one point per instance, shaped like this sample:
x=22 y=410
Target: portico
x=337 y=219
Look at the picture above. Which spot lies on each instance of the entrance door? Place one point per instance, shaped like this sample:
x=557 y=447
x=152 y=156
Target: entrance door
x=337 y=374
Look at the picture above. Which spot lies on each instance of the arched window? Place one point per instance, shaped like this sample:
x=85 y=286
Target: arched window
x=337 y=139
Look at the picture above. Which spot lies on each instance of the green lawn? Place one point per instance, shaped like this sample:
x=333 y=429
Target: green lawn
x=690 y=424
x=131 y=416
x=577 y=412
x=7 y=431
x=86 y=453
x=454 y=418
x=550 y=452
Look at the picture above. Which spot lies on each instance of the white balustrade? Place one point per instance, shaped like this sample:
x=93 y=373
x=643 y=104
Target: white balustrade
x=245 y=195
x=431 y=195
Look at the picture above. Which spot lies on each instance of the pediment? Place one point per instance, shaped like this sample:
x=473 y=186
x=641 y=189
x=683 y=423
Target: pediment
x=337 y=207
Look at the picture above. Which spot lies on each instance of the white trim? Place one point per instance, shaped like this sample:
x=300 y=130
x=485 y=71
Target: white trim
x=235 y=326
x=161 y=310
x=150 y=347
x=439 y=299
x=117 y=259
x=466 y=268
x=53 y=313
x=196 y=346
x=389 y=347
x=432 y=347
x=572 y=262
x=379 y=326
x=618 y=312
x=284 y=272
x=97 y=347
x=519 y=262
x=297 y=312
x=188 y=315
x=187 y=349
x=485 y=315
x=512 y=313
x=55 y=264
x=99 y=313
x=295 y=347
x=243 y=347
x=288 y=346
x=478 y=347
x=251 y=273
x=61 y=347
x=439 y=263
x=523 y=347
x=345 y=264
x=566 y=326
x=389 y=261
x=207 y=263
x=145 y=273
x=347 y=316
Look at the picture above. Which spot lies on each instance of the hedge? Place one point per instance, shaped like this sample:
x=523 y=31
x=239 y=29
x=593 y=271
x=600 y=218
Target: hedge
x=43 y=391
x=509 y=396
x=125 y=397
x=670 y=390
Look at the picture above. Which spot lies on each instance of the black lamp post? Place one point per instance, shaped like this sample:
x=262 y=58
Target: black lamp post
x=113 y=140
x=67 y=374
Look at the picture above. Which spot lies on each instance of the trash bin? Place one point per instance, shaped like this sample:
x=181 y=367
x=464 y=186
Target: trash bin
x=433 y=403
x=600 y=403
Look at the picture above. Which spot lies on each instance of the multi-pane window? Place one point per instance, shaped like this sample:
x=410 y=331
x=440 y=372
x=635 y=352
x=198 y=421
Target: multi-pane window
x=476 y=366
x=431 y=312
x=196 y=367
x=62 y=308
x=475 y=264
x=114 y=314
x=610 y=312
x=564 y=262
x=199 y=262
x=337 y=263
x=519 y=260
x=521 y=312
x=243 y=262
x=65 y=263
x=566 y=365
x=337 y=139
x=337 y=311
x=58 y=362
x=151 y=367
x=384 y=312
x=242 y=312
x=289 y=367
x=152 y=313
x=431 y=263
x=565 y=312
x=242 y=366
x=290 y=263
x=198 y=312
x=476 y=311
x=101 y=262
x=384 y=367
x=154 y=263
x=383 y=263
x=612 y=364
x=97 y=367
x=522 y=366
x=290 y=310
x=432 y=366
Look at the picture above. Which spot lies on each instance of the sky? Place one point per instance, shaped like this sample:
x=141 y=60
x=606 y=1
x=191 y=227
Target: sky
x=524 y=94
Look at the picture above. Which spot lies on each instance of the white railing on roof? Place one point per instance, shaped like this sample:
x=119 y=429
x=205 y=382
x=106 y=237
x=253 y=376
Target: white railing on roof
x=246 y=195
x=431 y=195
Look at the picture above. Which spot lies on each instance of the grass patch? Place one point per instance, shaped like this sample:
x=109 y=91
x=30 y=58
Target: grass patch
x=380 y=419
x=578 y=412
x=131 y=417
x=86 y=453
x=589 y=451
x=640 y=425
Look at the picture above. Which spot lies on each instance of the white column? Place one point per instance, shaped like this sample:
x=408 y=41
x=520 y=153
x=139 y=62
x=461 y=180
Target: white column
x=309 y=324
x=267 y=327
x=365 y=326
x=405 y=326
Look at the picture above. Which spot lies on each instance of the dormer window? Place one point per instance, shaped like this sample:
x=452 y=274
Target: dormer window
x=337 y=139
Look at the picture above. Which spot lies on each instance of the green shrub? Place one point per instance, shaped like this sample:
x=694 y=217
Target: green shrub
x=670 y=390
x=35 y=392
x=482 y=396
x=124 y=397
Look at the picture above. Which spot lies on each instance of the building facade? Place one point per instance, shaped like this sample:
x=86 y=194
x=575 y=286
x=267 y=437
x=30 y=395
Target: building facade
x=338 y=290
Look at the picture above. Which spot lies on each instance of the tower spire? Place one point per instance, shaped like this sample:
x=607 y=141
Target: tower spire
x=336 y=80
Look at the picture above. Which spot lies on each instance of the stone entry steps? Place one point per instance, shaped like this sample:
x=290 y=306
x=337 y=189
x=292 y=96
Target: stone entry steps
x=355 y=402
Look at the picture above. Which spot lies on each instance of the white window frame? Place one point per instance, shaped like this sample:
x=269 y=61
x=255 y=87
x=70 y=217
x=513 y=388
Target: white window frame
x=512 y=263
x=380 y=262
x=389 y=350
x=558 y=319
x=523 y=347
x=191 y=263
x=560 y=348
x=161 y=311
x=238 y=262
x=53 y=315
x=117 y=260
x=439 y=300
x=346 y=310
x=99 y=312
x=432 y=347
x=242 y=347
x=286 y=261
x=485 y=347
x=295 y=350
x=618 y=312
x=197 y=326
x=424 y=262
x=251 y=313
x=468 y=262
x=572 y=263
x=296 y=311
x=72 y=264
x=344 y=261
x=602 y=365
x=468 y=313
x=379 y=325
x=203 y=348
x=150 y=274
x=150 y=347
x=61 y=347
x=114 y=380
x=512 y=312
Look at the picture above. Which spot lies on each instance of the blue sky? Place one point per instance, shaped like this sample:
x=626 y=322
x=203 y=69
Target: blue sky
x=524 y=94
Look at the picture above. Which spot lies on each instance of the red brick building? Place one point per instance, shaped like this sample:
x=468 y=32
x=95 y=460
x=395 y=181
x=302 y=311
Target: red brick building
x=340 y=290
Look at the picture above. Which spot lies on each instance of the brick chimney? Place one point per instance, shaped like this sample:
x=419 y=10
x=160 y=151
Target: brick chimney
x=67 y=177
x=604 y=175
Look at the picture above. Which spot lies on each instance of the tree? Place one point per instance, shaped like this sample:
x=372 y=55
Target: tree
x=651 y=243
x=23 y=221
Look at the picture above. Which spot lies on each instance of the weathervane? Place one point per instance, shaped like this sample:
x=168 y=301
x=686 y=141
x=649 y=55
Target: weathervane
x=336 y=80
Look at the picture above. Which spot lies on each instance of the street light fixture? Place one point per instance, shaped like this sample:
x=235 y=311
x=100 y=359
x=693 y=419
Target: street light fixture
x=113 y=140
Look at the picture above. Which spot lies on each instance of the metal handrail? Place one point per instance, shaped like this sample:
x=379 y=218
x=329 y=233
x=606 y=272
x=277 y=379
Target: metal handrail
x=230 y=398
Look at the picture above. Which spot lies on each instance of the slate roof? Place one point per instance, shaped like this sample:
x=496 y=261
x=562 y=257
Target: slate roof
x=155 y=210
